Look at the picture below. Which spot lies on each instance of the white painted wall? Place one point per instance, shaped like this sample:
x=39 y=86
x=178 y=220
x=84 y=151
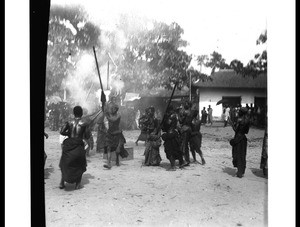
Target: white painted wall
x=212 y=96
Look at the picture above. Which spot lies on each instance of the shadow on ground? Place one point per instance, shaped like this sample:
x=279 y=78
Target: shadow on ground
x=229 y=170
x=258 y=172
x=165 y=165
x=84 y=180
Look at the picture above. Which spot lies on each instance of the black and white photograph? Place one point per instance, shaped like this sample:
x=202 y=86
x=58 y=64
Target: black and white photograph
x=158 y=113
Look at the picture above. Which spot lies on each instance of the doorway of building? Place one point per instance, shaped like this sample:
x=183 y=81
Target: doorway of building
x=232 y=101
x=260 y=102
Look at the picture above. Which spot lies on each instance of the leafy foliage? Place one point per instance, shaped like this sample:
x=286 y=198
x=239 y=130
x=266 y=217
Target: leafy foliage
x=255 y=66
x=69 y=33
x=152 y=57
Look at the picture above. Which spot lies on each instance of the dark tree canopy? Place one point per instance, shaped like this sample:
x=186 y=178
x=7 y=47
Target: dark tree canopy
x=69 y=33
x=153 y=57
x=255 y=66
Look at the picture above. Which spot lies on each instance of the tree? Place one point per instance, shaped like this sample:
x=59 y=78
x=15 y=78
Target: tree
x=255 y=66
x=69 y=33
x=216 y=61
x=202 y=60
x=152 y=57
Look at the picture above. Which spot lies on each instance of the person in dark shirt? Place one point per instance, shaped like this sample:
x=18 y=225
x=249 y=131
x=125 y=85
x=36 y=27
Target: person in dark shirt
x=153 y=141
x=239 y=142
x=196 y=138
x=114 y=140
x=172 y=140
x=203 y=116
x=73 y=160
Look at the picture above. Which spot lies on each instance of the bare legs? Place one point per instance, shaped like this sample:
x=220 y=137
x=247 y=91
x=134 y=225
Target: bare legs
x=108 y=165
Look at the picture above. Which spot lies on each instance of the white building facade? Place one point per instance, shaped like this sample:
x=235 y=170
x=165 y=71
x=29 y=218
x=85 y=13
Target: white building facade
x=228 y=85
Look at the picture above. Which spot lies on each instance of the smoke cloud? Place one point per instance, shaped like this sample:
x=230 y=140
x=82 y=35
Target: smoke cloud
x=82 y=83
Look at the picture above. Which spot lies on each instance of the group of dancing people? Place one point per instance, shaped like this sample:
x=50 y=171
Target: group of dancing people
x=178 y=132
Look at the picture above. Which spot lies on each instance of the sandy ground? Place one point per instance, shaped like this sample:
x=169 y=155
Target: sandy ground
x=132 y=194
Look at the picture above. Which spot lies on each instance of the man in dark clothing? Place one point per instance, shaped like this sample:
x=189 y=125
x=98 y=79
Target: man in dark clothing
x=171 y=138
x=196 y=138
x=114 y=140
x=264 y=152
x=185 y=120
x=239 y=142
x=142 y=125
x=153 y=141
x=203 y=116
x=73 y=160
x=209 y=115
x=101 y=135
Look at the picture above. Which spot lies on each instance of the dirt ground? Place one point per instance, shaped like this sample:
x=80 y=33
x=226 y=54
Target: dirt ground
x=132 y=194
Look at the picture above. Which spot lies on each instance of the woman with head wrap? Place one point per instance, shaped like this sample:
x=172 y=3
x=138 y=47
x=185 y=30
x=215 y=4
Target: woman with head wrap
x=239 y=142
x=172 y=140
x=73 y=160
x=153 y=141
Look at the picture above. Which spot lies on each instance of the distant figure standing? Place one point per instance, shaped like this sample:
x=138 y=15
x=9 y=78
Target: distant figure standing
x=264 y=152
x=142 y=123
x=196 y=138
x=45 y=155
x=203 y=116
x=247 y=106
x=227 y=115
x=153 y=141
x=210 y=111
x=137 y=117
x=185 y=120
x=239 y=142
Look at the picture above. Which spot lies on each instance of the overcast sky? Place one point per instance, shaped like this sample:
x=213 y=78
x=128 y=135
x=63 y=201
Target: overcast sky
x=229 y=27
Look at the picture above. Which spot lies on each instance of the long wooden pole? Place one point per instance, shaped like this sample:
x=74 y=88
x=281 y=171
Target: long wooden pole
x=168 y=104
x=103 y=98
x=190 y=86
x=98 y=68
x=107 y=75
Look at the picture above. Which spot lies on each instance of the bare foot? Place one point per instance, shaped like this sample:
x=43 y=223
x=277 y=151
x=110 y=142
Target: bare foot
x=78 y=186
x=107 y=166
x=172 y=169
